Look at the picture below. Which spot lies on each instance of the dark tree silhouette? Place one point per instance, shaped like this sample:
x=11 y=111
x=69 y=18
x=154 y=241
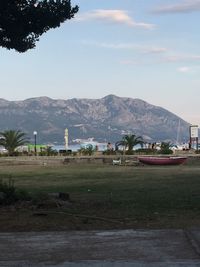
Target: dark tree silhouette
x=22 y=22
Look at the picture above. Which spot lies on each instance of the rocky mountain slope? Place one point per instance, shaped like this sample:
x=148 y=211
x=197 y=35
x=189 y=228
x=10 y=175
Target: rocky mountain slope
x=105 y=119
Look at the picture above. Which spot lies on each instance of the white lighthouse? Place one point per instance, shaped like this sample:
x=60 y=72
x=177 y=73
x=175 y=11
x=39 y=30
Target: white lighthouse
x=66 y=138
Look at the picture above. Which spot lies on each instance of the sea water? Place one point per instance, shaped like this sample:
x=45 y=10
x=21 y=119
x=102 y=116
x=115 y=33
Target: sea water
x=76 y=147
x=100 y=146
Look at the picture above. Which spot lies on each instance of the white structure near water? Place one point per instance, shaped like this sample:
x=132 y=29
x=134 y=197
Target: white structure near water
x=66 y=139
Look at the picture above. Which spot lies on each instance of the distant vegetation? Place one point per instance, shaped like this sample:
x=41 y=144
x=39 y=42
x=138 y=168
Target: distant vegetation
x=12 y=140
x=87 y=151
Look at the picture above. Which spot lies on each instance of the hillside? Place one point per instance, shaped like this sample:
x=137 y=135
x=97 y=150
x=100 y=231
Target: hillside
x=105 y=119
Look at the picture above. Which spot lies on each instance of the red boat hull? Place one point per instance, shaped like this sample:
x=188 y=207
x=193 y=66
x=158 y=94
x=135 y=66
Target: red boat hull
x=162 y=160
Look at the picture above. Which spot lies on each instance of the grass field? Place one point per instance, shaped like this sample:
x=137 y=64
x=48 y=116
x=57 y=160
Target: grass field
x=106 y=197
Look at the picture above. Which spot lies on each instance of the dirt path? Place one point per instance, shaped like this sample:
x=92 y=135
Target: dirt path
x=101 y=248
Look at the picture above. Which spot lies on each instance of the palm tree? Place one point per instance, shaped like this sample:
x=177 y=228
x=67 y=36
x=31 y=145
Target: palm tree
x=165 y=148
x=129 y=141
x=11 y=139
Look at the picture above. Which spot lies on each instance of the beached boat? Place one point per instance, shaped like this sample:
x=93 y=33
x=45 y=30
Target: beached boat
x=162 y=160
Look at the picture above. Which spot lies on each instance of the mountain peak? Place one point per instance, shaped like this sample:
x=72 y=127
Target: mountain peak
x=105 y=119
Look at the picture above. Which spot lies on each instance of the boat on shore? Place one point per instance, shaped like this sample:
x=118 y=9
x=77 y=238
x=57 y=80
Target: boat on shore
x=162 y=160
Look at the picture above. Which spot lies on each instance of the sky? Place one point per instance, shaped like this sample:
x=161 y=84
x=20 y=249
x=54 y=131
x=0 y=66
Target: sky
x=146 y=49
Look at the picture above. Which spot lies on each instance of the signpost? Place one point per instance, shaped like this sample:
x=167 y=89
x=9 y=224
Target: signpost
x=194 y=136
x=35 y=142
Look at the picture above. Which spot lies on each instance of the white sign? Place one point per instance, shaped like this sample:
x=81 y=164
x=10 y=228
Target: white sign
x=194 y=131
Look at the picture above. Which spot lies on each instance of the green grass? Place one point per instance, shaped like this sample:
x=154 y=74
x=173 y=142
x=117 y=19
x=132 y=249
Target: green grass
x=162 y=195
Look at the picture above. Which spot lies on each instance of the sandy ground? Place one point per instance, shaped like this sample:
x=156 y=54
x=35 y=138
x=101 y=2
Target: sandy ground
x=125 y=248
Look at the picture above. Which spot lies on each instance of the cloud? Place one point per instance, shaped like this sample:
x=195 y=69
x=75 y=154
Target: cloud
x=181 y=7
x=155 y=50
x=128 y=46
x=181 y=58
x=162 y=59
x=115 y=16
x=183 y=69
x=111 y=45
x=149 y=54
x=130 y=62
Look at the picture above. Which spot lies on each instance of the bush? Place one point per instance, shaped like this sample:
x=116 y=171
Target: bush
x=9 y=194
x=3 y=154
x=88 y=150
x=147 y=151
x=129 y=152
x=111 y=152
x=165 y=151
x=48 y=152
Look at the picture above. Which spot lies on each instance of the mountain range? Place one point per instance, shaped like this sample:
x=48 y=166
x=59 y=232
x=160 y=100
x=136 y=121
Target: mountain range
x=106 y=119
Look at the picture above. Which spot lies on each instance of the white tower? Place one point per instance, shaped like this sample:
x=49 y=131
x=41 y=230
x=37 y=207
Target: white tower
x=66 y=138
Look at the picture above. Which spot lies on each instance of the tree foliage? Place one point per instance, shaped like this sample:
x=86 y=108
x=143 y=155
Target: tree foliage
x=129 y=141
x=22 y=22
x=88 y=150
x=12 y=139
x=165 y=148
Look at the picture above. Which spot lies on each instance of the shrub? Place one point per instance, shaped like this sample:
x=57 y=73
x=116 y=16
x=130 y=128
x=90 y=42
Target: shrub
x=165 y=148
x=111 y=152
x=165 y=151
x=48 y=152
x=9 y=194
x=129 y=152
x=147 y=151
x=88 y=150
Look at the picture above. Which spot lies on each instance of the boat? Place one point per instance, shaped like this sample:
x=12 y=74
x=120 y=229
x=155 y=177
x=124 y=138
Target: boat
x=162 y=160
